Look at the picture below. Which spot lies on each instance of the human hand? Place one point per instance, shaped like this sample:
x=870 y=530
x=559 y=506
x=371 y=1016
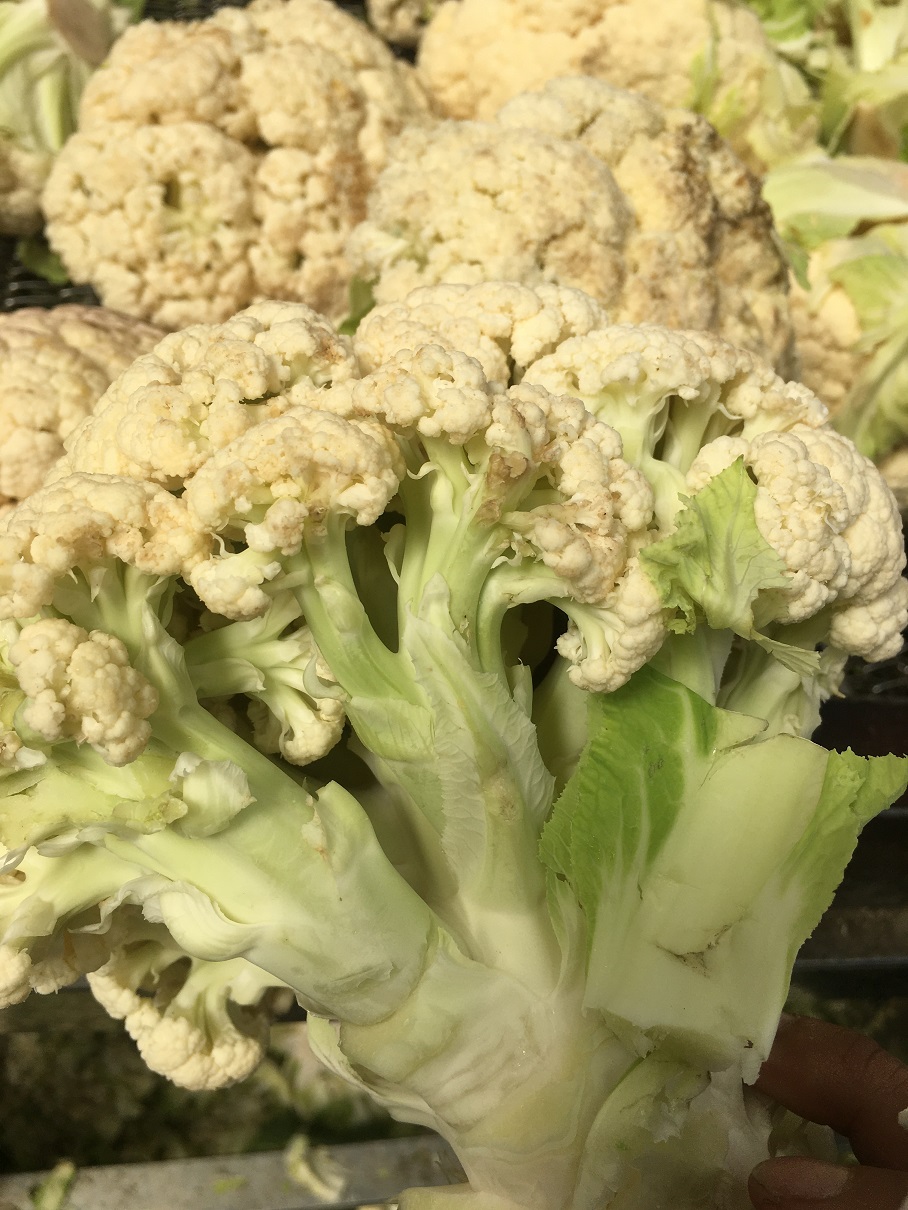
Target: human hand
x=844 y=1080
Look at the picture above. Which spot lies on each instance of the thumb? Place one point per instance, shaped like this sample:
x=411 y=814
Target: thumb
x=791 y=1183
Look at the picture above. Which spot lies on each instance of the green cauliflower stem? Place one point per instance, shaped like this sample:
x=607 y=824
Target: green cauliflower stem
x=543 y=898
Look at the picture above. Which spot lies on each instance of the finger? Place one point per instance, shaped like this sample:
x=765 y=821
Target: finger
x=844 y=1080
x=797 y=1184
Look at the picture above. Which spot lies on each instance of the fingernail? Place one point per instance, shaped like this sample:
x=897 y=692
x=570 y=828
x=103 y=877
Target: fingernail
x=799 y=1181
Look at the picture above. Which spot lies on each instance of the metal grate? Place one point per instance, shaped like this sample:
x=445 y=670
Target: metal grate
x=360 y=1172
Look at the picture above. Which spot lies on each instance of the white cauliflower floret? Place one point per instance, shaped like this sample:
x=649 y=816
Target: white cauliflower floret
x=827 y=331
x=873 y=631
x=205 y=1026
x=606 y=645
x=826 y=511
x=587 y=186
x=165 y=72
x=88 y=519
x=204 y=387
x=438 y=392
x=604 y=504
x=15 y=974
x=81 y=686
x=225 y=160
x=675 y=388
x=232 y=585
x=391 y=93
x=708 y=55
x=23 y=175
x=469 y=201
x=303 y=736
x=497 y=323
x=56 y=365
x=306 y=463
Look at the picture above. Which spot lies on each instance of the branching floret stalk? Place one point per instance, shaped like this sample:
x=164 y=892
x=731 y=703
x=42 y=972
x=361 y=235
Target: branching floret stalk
x=270 y=860
x=321 y=579
x=496 y=904
x=257 y=642
x=448 y=536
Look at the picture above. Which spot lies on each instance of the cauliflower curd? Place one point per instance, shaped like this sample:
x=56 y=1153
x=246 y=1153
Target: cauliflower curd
x=584 y=185
x=56 y=364
x=225 y=160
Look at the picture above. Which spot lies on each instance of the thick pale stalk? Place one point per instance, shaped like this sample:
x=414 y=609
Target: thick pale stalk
x=514 y=1081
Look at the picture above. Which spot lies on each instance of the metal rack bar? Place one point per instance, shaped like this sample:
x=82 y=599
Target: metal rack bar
x=360 y=1173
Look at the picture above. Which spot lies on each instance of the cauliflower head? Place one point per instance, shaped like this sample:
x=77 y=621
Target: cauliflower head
x=357 y=596
x=81 y=686
x=56 y=364
x=708 y=55
x=590 y=186
x=225 y=160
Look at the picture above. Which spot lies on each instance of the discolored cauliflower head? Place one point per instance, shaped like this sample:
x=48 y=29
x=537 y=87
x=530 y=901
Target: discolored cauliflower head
x=711 y=56
x=55 y=365
x=589 y=186
x=225 y=160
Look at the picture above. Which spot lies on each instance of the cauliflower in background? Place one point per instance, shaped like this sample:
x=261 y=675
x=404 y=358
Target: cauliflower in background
x=48 y=50
x=865 y=81
x=708 y=55
x=585 y=185
x=226 y=160
x=55 y=365
x=845 y=221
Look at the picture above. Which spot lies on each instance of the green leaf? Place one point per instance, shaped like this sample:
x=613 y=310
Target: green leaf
x=873 y=271
x=213 y=791
x=703 y=854
x=798 y=261
x=35 y=254
x=79 y=790
x=823 y=199
x=789 y=20
x=716 y=564
x=876 y=284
